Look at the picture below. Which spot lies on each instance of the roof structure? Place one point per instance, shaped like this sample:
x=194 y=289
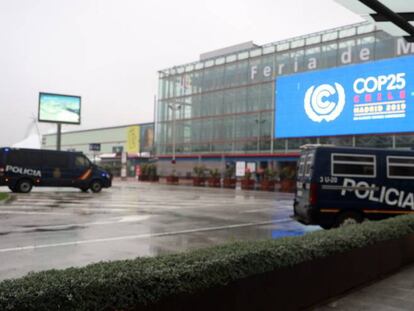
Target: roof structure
x=396 y=17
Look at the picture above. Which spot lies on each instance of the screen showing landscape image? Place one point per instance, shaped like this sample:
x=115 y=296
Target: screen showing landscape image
x=59 y=108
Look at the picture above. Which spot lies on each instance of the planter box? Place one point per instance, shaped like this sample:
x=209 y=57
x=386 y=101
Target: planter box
x=199 y=181
x=267 y=185
x=247 y=184
x=287 y=185
x=143 y=177
x=229 y=183
x=214 y=182
x=154 y=178
x=148 y=178
x=173 y=180
x=303 y=285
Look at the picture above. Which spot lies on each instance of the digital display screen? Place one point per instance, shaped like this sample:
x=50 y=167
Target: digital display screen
x=59 y=108
x=368 y=98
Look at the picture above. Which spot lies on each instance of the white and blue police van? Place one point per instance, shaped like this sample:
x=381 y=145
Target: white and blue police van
x=338 y=185
x=21 y=169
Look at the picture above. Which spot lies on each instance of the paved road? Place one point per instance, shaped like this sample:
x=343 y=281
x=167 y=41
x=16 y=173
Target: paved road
x=59 y=228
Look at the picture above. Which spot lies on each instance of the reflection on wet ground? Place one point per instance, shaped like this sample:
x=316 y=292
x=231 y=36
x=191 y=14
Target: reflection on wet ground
x=51 y=228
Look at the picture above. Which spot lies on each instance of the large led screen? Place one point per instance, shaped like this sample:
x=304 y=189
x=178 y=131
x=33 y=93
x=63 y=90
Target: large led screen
x=59 y=108
x=369 y=98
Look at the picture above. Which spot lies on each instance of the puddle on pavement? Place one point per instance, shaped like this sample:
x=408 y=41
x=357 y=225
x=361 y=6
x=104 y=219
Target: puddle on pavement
x=44 y=229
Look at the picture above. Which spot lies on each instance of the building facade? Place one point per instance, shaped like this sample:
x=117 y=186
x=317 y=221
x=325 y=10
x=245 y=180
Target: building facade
x=222 y=107
x=135 y=140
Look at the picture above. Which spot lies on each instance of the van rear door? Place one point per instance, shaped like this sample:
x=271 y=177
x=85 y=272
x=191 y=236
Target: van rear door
x=305 y=168
x=2 y=161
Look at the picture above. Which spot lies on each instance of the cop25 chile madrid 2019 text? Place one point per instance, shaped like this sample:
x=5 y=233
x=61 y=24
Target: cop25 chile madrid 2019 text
x=375 y=97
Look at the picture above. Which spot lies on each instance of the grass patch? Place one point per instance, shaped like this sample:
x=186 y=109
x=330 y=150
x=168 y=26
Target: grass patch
x=130 y=284
x=3 y=196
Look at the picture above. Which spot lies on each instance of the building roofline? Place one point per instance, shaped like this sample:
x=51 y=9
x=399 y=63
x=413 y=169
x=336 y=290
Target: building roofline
x=275 y=43
x=100 y=128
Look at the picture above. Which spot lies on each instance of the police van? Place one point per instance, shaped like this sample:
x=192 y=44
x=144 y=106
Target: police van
x=336 y=185
x=21 y=169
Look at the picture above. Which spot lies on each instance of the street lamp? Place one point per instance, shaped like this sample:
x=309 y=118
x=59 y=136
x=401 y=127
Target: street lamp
x=174 y=107
x=259 y=122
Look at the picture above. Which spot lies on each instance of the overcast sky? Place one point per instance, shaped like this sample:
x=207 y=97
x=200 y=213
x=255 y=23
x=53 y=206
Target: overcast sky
x=109 y=51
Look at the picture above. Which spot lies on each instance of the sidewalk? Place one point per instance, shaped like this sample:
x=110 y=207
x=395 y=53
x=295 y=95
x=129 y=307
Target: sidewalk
x=392 y=293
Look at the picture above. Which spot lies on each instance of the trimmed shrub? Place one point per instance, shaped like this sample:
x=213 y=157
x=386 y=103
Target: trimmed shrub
x=141 y=282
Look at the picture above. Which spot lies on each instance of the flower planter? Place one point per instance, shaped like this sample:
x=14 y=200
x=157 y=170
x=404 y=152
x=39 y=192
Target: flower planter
x=214 y=182
x=229 y=183
x=172 y=180
x=247 y=184
x=287 y=185
x=267 y=185
x=199 y=181
x=154 y=178
x=143 y=178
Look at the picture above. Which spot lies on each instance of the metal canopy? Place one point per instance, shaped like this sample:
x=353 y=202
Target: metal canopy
x=395 y=17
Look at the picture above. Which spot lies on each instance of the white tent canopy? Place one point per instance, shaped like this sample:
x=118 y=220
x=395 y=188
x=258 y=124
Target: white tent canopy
x=32 y=141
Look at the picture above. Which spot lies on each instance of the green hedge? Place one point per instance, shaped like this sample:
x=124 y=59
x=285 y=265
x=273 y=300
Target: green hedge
x=3 y=196
x=144 y=281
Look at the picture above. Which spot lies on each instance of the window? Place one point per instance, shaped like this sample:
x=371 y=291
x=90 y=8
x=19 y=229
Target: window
x=117 y=149
x=24 y=158
x=358 y=165
x=81 y=161
x=301 y=165
x=308 y=165
x=55 y=159
x=400 y=167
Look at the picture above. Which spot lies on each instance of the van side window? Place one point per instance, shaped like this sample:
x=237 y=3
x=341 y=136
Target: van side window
x=81 y=161
x=24 y=158
x=400 y=167
x=53 y=159
x=353 y=165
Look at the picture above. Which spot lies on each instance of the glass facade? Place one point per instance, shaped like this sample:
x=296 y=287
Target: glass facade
x=226 y=104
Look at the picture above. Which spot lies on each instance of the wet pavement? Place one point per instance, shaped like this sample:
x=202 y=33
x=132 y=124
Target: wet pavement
x=59 y=228
x=393 y=293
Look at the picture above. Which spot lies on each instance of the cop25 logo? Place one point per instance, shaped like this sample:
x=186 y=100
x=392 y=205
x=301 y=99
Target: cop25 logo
x=317 y=105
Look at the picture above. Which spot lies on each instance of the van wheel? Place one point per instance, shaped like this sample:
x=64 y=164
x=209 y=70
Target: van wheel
x=348 y=218
x=24 y=186
x=96 y=186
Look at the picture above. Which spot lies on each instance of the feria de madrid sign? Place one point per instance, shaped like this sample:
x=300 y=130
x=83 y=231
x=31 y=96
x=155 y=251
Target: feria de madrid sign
x=346 y=56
